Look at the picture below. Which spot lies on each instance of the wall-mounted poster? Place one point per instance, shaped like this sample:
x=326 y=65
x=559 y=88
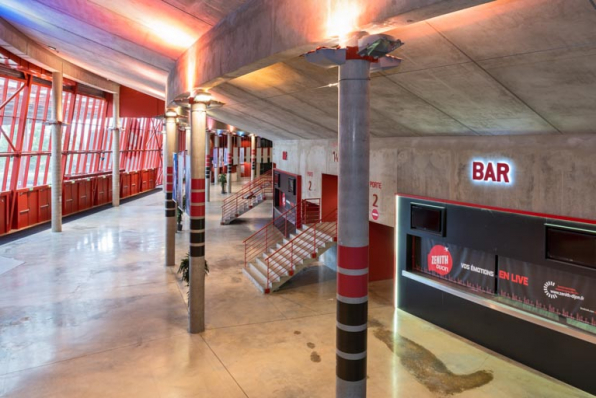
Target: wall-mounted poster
x=471 y=268
x=560 y=292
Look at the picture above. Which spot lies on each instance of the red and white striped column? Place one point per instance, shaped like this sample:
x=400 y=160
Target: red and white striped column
x=196 y=297
x=253 y=156
x=169 y=144
x=230 y=160
x=352 y=270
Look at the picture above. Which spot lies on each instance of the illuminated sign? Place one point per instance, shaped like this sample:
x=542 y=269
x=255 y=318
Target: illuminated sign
x=492 y=172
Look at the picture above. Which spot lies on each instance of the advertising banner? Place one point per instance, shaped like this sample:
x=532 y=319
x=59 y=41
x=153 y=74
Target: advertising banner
x=467 y=267
x=560 y=292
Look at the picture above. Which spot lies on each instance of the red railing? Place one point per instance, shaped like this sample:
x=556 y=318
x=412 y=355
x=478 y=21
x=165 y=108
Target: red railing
x=311 y=211
x=232 y=205
x=268 y=236
x=302 y=246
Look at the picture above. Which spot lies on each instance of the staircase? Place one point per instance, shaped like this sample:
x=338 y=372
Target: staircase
x=252 y=194
x=273 y=257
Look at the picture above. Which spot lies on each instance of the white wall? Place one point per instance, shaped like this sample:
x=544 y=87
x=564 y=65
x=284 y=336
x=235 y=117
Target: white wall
x=552 y=174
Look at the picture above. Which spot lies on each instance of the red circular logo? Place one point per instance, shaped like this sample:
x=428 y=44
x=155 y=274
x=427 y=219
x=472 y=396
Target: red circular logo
x=375 y=214
x=439 y=260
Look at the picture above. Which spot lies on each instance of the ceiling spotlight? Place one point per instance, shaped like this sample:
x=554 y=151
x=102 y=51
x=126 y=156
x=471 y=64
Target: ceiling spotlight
x=201 y=96
x=53 y=48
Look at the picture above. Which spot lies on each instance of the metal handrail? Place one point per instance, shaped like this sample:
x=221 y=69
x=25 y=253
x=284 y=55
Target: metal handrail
x=253 y=245
x=263 y=184
x=311 y=210
x=249 y=185
x=296 y=252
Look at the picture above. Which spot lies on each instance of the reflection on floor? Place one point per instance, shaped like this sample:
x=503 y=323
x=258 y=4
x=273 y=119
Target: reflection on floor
x=92 y=312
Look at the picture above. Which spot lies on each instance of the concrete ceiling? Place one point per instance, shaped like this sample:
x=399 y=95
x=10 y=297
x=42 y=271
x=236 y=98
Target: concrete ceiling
x=507 y=67
x=132 y=42
x=501 y=68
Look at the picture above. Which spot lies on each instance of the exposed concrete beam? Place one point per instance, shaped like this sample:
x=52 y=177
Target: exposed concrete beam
x=263 y=32
x=19 y=44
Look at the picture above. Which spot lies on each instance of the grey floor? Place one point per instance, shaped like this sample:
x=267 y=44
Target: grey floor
x=92 y=312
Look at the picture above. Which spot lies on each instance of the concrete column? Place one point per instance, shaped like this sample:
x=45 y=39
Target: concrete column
x=116 y=153
x=230 y=161
x=196 y=298
x=352 y=271
x=216 y=160
x=169 y=145
x=240 y=164
x=207 y=166
x=56 y=157
x=258 y=170
x=253 y=156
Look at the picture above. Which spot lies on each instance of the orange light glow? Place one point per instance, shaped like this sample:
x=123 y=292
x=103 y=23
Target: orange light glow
x=171 y=34
x=342 y=18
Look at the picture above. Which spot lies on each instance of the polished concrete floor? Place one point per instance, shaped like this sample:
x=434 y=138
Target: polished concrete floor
x=92 y=312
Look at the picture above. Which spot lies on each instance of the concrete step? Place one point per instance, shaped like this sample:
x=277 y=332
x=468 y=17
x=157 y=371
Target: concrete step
x=253 y=279
x=256 y=273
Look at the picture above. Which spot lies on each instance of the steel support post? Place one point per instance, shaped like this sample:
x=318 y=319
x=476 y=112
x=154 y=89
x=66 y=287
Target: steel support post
x=216 y=160
x=253 y=156
x=230 y=140
x=169 y=145
x=56 y=159
x=116 y=152
x=352 y=271
x=196 y=298
x=240 y=164
x=207 y=166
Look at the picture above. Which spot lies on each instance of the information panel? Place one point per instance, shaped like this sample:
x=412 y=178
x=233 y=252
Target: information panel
x=563 y=293
x=471 y=268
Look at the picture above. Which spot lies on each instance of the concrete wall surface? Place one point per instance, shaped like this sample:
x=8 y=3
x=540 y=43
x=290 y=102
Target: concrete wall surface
x=552 y=175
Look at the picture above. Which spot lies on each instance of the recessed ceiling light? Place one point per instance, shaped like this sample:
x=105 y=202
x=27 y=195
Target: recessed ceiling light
x=52 y=48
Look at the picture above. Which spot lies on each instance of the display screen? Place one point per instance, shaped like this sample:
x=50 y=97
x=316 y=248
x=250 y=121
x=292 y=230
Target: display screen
x=427 y=218
x=573 y=247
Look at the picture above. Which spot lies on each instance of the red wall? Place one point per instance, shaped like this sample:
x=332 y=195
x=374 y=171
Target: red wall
x=381 y=252
x=136 y=104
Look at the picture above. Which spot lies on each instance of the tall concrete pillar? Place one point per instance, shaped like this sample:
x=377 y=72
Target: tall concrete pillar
x=355 y=63
x=258 y=170
x=196 y=298
x=116 y=153
x=216 y=160
x=352 y=240
x=253 y=156
x=230 y=140
x=207 y=166
x=240 y=164
x=56 y=159
x=169 y=145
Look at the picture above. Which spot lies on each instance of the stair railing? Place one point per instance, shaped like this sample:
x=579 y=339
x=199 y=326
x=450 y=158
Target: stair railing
x=311 y=211
x=269 y=235
x=284 y=259
x=246 y=195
